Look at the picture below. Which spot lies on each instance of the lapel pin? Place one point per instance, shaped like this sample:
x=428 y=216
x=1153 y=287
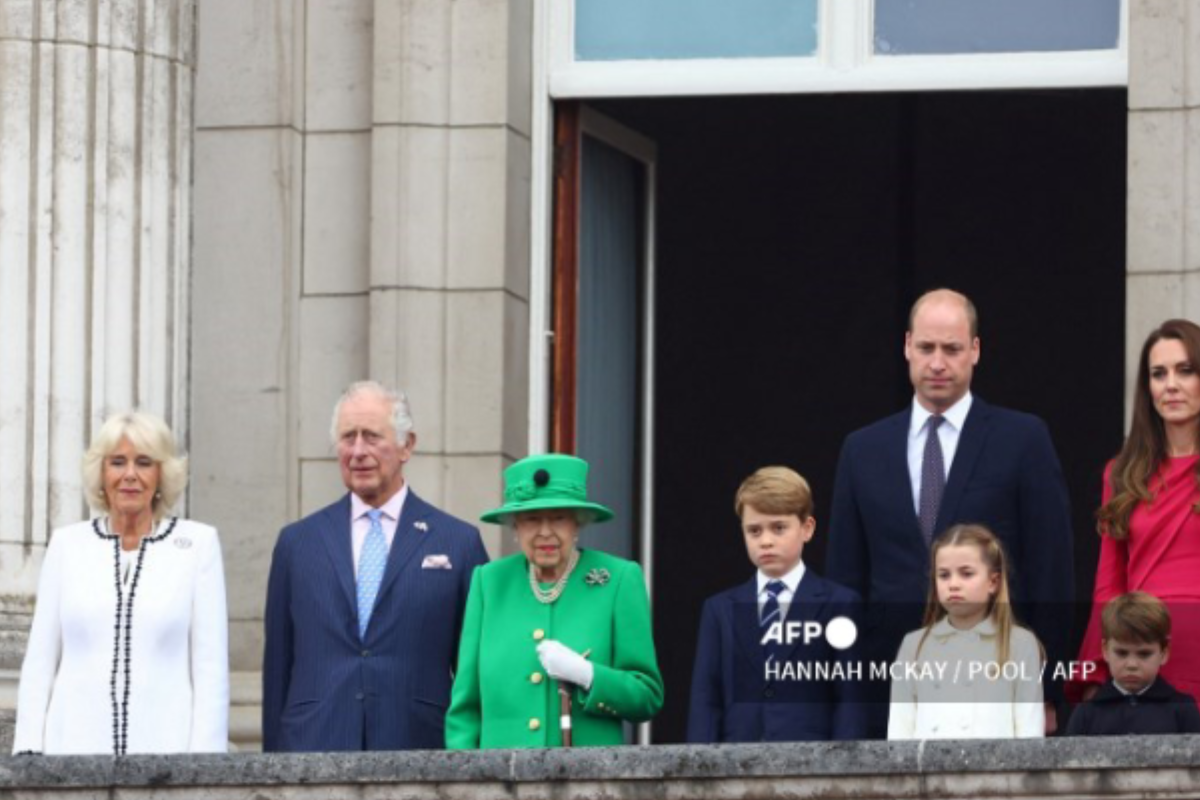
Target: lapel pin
x=421 y=525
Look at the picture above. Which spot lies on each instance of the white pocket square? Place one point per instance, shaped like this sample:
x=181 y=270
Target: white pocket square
x=437 y=562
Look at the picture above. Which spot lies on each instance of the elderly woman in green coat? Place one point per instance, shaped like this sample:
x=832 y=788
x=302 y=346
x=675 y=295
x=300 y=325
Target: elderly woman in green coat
x=552 y=614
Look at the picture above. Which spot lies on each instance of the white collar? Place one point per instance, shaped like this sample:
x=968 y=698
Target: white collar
x=942 y=629
x=956 y=414
x=391 y=509
x=791 y=578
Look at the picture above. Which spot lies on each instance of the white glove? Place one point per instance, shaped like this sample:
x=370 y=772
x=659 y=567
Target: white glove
x=564 y=664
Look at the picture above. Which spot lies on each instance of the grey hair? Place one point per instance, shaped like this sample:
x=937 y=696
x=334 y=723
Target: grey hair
x=152 y=437
x=402 y=422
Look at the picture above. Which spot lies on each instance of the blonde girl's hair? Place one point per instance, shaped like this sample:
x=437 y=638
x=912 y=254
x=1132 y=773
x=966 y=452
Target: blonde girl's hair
x=991 y=552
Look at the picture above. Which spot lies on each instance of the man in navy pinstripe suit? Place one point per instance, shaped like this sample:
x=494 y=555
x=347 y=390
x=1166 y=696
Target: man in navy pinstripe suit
x=348 y=667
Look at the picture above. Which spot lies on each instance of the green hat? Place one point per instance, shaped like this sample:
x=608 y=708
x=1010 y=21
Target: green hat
x=552 y=480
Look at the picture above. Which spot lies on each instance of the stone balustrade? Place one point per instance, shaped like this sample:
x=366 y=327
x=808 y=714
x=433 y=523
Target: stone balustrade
x=1117 y=767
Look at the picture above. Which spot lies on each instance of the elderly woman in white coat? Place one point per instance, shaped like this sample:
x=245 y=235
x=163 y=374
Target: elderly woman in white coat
x=129 y=649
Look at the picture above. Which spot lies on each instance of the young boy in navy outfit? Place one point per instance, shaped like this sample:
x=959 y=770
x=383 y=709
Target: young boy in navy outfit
x=748 y=690
x=1136 y=641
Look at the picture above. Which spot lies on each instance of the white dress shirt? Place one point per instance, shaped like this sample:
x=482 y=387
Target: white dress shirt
x=791 y=580
x=360 y=523
x=948 y=434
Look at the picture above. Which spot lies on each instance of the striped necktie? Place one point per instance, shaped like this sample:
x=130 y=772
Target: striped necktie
x=771 y=613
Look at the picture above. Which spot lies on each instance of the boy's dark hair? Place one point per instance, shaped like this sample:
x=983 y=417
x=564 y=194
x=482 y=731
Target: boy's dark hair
x=1136 y=617
x=775 y=490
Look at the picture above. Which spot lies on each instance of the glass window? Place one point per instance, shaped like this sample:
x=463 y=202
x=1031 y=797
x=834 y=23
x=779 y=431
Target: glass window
x=610 y=30
x=930 y=27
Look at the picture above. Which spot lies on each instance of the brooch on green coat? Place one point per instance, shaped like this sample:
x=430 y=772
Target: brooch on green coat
x=597 y=577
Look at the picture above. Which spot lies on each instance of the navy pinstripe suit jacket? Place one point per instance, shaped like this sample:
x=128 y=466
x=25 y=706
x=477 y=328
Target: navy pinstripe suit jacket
x=324 y=687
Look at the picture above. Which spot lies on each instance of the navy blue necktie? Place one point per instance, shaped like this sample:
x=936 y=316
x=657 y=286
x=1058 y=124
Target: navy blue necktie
x=771 y=614
x=933 y=480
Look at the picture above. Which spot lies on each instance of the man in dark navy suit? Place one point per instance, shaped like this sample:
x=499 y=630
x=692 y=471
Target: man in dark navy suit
x=896 y=490
x=365 y=599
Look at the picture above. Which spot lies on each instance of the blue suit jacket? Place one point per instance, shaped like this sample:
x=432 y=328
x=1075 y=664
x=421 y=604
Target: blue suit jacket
x=324 y=687
x=733 y=699
x=1005 y=474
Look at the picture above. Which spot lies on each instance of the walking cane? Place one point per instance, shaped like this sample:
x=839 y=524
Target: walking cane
x=564 y=711
x=564 y=707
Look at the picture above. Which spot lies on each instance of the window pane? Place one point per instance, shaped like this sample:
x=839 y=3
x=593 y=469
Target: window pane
x=608 y=30
x=914 y=27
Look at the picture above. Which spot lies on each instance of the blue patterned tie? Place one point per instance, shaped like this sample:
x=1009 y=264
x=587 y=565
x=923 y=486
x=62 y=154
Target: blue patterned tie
x=933 y=480
x=771 y=615
x=370 y=570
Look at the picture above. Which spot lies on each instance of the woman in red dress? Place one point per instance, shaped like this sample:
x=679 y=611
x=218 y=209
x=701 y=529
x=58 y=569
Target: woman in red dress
x=1149 y=519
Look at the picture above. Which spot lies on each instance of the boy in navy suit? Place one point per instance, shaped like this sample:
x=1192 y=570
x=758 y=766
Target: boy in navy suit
x=750 y=684
x=1136 y=630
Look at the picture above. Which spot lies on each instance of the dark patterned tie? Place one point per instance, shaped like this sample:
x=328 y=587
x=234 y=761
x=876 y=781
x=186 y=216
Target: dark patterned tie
x=771 y=615
x=933 y=480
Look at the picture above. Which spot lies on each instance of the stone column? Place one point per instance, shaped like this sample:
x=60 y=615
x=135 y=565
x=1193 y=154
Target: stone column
x=1164 y=169
x=95 y=173
x=450 y=205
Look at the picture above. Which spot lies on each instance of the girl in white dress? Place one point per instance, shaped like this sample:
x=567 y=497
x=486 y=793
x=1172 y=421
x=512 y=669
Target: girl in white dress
x=972 y=671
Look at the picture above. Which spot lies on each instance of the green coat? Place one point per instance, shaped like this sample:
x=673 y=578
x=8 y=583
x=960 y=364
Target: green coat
x=502 y=697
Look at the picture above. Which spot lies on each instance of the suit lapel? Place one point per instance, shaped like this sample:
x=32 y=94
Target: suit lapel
x=407 y=541
x=806 y=605
x=970 y=445
x=335 y=534
x=897 y=480
x=746 y=631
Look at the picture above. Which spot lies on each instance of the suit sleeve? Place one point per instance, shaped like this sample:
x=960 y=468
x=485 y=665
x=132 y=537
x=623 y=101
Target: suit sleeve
x=1188 y=715
x=850 y=710
x=1047 y=544
x=1112 y=579
x=278 y=647
x=902 y=712
x=630 y=688
x=475 y=556
x=210 y=653
x=847 y=560
x=1081 y=721
x=464 y=720
x=707 y=705
x=42 y=654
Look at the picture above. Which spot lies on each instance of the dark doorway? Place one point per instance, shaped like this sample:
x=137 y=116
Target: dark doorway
x=793 y=234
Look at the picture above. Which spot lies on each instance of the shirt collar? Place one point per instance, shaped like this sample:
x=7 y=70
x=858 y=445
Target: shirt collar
x=791 y=579
x=391 y=509
x=943 y=629
x=955 y=415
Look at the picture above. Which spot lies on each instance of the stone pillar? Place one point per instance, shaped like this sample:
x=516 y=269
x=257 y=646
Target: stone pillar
x=362 y=210
x=450 y=210
x=95 y=175
x=1164 y=169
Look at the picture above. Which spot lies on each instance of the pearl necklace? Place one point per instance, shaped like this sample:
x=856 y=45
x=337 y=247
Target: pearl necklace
x=548 y=596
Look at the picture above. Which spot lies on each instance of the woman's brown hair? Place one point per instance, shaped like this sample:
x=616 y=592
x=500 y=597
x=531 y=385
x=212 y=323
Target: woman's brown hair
x=1146 y=446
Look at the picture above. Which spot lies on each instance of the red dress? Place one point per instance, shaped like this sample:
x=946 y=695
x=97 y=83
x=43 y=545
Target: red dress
x=1160 y=557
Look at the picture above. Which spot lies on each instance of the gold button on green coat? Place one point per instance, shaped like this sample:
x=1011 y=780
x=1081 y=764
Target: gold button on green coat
x=538 y=635
x=610 y=620
x=536 y=677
